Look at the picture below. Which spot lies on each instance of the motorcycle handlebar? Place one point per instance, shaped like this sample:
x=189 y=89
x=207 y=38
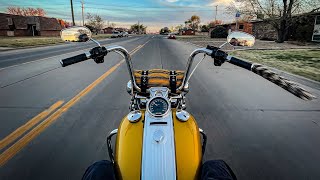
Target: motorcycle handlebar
x=239 y=62
x=126 y=55
x=186 y=77
x=74 y=59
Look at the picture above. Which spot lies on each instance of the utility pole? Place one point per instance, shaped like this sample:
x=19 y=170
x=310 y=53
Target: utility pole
x=138 y=27
x=72 y=13
x=215 y=17
x=82 y=7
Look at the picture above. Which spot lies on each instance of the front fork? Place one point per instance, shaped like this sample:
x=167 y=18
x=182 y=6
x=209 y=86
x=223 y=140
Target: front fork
x=115 y=131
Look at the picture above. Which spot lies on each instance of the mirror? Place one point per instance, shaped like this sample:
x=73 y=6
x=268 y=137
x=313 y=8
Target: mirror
x=240 y=39
x=76 y=34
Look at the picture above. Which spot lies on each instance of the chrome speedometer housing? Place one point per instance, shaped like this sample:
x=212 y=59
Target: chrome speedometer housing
x=158 y=106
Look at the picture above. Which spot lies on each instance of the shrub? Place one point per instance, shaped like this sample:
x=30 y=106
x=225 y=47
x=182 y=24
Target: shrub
x=304 y=33
x=219 y=32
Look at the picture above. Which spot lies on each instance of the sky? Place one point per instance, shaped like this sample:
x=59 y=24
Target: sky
x=154 y=14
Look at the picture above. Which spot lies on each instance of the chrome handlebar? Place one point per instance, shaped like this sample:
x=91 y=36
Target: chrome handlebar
x=187 y=76
x=127 y=57
x=128 y=60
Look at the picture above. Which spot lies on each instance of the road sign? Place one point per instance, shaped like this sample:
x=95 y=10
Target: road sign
x=238 y=14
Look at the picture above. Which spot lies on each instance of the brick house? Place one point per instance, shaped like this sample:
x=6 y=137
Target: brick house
x=241 y=26
x=108 y=30
x=302 y=29
x=14 y=25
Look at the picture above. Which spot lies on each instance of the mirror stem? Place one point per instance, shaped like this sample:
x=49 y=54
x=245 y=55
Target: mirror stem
x=223 y=44
x=95 y=42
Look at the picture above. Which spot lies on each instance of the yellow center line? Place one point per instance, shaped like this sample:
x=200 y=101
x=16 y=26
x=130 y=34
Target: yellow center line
x=16 y=147
x=22 y=129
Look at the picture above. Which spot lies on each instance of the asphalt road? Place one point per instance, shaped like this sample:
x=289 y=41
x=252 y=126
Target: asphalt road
x=258 y=128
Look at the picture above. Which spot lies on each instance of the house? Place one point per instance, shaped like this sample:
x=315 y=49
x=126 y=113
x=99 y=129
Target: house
x=240 y=26
x=186 y=31
x=14 y=25
x=108 y=30
x=305 y=28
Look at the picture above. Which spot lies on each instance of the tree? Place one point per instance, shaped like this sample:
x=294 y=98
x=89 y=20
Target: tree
x=165 y=30
x=95 y=21
x=276 y=12
x=177 y=28
x=64 y=23
x=204 y=28
x=92 y=29
x=187 y=23
x=219 y=32
x=26 y=11
x=193 y=22
x=135 y=28
x=112 y=25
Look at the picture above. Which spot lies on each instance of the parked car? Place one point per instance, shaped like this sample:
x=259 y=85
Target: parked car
x=116 y=34
x=125 y=34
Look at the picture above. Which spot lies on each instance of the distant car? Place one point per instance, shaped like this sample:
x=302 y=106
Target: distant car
x=116 y=34
x=171 y=36
x=125 y=34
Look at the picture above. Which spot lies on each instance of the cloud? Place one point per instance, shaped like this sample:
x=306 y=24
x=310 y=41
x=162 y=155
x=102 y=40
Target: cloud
x=221 y=2
x=172 y=1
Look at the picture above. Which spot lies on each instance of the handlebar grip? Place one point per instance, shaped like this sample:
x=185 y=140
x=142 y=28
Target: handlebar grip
x=73 y=60
x=241 y=63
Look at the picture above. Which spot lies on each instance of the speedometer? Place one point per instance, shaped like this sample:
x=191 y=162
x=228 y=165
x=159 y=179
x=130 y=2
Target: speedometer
x=158 y=106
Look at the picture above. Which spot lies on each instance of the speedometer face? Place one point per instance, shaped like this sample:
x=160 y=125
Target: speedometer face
x=158 y=106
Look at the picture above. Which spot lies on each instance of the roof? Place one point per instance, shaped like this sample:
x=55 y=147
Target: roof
x=22 y=22
x=108 y=28
x=47 y=24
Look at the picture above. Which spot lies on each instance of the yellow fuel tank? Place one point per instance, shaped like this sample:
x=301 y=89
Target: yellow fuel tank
x=128 y=149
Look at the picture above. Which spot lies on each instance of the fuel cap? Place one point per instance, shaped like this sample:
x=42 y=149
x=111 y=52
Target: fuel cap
x=134 y=116
x=182 y=115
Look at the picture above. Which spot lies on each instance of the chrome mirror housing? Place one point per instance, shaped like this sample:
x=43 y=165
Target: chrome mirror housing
x=76 y=34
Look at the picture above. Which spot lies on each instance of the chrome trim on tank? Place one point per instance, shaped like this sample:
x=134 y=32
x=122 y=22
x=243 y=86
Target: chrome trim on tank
x=158 y=151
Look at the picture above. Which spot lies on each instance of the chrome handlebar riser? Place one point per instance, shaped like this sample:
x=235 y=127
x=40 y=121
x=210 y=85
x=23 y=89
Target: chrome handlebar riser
x=127 y=57
x=189 y=65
